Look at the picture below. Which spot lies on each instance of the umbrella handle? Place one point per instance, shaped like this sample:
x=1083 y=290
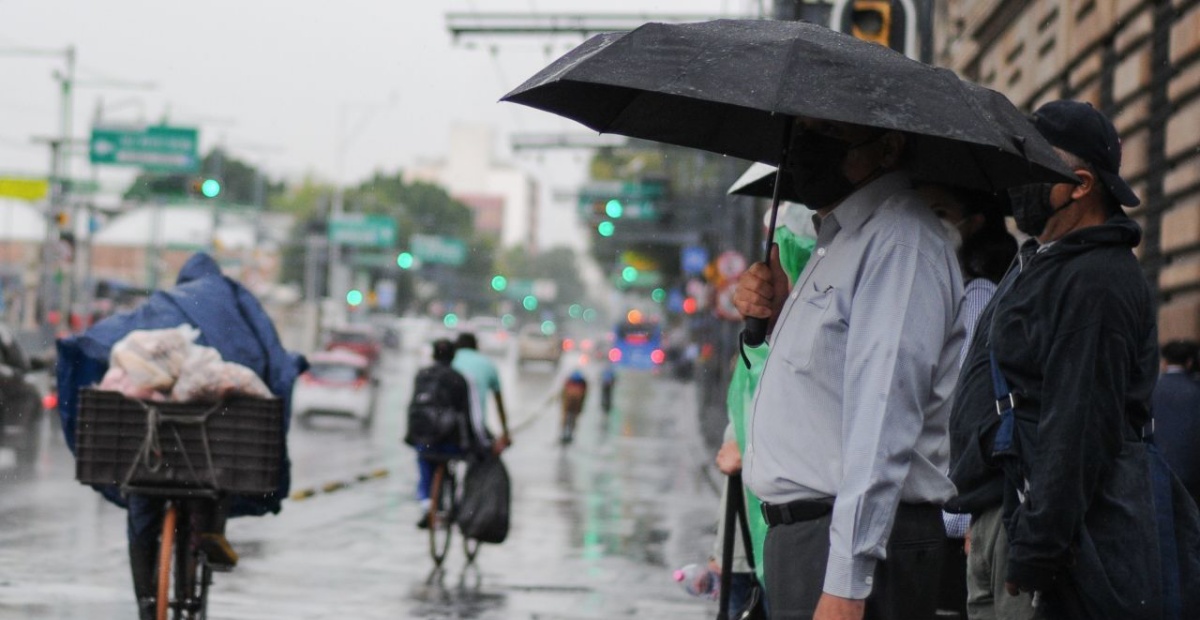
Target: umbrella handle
x=754 y=332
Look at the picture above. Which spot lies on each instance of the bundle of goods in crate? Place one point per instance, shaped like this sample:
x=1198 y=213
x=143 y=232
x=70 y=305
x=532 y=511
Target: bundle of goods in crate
x=172 y=413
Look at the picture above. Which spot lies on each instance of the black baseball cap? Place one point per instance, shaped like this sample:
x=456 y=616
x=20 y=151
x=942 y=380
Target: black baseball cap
x=1084 y=131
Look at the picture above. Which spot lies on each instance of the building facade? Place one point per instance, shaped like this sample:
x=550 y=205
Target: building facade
x=1137 y=60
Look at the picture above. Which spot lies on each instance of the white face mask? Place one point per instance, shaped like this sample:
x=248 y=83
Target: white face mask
x=953 y=235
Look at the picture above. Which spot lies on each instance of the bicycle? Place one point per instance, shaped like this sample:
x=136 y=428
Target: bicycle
x=444 y=500
x=179 y=549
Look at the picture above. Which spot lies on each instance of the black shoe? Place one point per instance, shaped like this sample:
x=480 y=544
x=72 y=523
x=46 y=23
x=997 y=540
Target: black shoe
x=217 y=550
x=423 y=524
x=147 y=609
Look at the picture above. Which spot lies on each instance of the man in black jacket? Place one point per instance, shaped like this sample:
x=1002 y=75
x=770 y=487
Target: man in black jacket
x=1072 y=329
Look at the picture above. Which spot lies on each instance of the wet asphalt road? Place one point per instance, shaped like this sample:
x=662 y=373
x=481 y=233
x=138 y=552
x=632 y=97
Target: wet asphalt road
x=597 y=527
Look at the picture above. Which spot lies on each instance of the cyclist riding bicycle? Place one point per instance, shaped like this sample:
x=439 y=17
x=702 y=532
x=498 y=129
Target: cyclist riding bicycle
x=438 y=419
x=231 y=320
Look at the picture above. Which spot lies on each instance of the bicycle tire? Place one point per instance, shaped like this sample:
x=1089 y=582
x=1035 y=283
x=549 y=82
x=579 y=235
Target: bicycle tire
x=471 y=549
x=166 y=545
x=442 y=505
x=192 y=574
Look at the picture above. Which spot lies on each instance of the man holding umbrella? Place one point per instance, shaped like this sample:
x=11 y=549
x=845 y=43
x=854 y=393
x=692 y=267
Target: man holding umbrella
x=847 y=433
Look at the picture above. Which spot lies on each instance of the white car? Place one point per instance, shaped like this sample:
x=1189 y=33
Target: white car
x=533 y=345
x=337 y=383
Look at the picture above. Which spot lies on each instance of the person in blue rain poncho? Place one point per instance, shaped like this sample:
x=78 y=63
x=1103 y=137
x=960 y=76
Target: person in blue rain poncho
x=232 y=321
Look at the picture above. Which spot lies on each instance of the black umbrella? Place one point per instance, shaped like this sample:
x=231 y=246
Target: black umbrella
x=735 y=86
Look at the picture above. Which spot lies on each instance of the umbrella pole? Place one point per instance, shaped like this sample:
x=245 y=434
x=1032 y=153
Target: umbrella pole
x=755 y=331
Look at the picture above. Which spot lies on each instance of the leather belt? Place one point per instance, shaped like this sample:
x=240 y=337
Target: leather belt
x=797 y=511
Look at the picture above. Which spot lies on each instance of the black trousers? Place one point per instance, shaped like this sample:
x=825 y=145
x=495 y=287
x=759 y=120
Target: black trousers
x=905 y=584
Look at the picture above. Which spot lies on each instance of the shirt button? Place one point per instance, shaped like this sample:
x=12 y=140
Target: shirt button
x=820 y=251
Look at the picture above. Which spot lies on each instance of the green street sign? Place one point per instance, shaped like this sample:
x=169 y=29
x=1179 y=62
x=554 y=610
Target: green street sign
x=156 y=149
x=382 y=261
x=435 y=249
x=637 y=279
x=363 y=231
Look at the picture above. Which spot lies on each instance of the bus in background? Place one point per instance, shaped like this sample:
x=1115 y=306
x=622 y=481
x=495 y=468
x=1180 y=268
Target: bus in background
x=637 y=344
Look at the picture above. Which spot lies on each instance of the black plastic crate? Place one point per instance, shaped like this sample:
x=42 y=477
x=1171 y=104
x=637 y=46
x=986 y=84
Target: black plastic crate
x=242 y=438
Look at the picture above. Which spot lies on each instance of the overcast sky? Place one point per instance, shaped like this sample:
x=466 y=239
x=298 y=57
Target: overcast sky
x=269 y=78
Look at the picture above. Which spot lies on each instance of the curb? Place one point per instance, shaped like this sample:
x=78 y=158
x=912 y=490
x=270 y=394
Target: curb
x=300 y=495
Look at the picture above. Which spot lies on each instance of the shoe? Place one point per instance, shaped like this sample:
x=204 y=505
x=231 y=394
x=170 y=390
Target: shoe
x=219 y=553
x=147 y=609
x=423 y=524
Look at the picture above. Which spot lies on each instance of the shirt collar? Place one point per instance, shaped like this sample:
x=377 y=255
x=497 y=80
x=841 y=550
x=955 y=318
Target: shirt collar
x=857 y=208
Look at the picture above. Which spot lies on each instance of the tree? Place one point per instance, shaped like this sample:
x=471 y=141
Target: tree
x=241 y=183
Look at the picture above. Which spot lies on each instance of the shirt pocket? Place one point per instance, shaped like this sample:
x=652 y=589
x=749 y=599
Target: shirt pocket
x=808 y=318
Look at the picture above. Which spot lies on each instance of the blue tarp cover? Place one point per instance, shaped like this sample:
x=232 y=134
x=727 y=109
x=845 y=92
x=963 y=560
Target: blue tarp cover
x=229 y=318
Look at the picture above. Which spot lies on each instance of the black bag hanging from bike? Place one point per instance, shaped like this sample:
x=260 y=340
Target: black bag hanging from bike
x=486 y=502
x=735 y=517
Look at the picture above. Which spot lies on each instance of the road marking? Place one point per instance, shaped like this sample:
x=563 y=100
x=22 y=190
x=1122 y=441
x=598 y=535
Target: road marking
x=337 y=485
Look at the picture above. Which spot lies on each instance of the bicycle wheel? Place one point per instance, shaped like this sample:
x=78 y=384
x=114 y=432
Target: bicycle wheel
x=441 y=512
x=166 y=546
x=192 y=573
x=470 y=549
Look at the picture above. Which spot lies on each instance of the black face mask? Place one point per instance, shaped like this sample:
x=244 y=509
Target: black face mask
x=1032 y=208
x=815 y=164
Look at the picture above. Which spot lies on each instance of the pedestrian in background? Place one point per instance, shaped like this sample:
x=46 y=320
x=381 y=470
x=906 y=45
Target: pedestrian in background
x=975 y=223
x=795 y=238
x=484 y=379
x=846 y=441
x=1059 y=500
x=1175 y=405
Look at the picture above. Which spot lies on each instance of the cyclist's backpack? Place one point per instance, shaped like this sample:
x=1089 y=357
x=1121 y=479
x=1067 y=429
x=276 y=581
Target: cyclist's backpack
x=483 y=514
x=433 y=419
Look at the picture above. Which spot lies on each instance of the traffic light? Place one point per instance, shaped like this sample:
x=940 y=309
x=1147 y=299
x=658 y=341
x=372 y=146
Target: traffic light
x=871 y=20
x=404 y=260
x=206 y=186
x=890 y=23
x=605 y=228
x=613 y=208
x=354 y=298
x=499 y=283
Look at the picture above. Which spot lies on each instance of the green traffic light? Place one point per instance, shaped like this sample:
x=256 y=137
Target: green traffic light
x=548 y=328
x=629 y=274
x=589 y=315
x=658 y=295
x=614 y=209
x=210 y=188
x=605 y=229
x=530 y=303
x=354 y=297
x=575 y=311
x=404 y=260
x=499 y=283
x=450 y=320
x=508 y=321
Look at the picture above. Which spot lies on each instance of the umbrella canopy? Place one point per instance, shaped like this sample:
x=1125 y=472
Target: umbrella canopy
x=758 y=181
x=734 y=87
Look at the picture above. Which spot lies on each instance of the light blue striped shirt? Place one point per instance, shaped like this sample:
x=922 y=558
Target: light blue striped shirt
x=855 y=394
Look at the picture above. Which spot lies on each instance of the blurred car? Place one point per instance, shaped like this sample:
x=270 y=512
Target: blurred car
x=491 y=334
x=533 y=345
x=337 y=383
x=21 y=402
x=360 y=339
